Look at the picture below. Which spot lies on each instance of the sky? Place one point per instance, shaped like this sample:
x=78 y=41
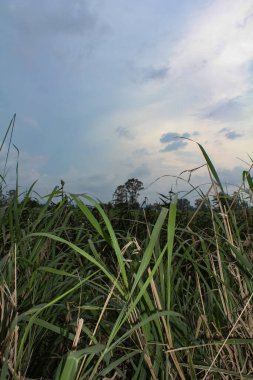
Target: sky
x=103 y=91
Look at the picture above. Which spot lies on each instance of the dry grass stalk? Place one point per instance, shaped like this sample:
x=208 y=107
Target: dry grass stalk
x=166 y=328
x=78 y=333
x=228 y=336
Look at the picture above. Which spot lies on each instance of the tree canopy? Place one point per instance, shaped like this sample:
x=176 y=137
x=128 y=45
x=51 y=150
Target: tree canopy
x=128 y=193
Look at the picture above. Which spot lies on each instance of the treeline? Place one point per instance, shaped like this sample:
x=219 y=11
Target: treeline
x=126 y=213
x=126 y=197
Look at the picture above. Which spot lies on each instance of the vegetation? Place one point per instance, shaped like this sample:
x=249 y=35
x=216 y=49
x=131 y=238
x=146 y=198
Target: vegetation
x=128 y=193
x=119 y=291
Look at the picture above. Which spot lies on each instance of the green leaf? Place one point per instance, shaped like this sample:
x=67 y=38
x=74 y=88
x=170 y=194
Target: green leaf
x=211 y=167
x=58 y=272
x=90 y=258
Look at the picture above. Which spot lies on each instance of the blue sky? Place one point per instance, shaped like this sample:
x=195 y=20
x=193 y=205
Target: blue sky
x=103 y=90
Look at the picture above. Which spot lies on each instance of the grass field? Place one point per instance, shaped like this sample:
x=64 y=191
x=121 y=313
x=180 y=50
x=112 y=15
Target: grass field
x=83 y=299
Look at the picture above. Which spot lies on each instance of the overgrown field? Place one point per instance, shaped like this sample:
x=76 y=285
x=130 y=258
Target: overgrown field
x=88 y=293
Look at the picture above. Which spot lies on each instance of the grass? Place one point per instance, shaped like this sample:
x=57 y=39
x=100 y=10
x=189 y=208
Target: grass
x=80 y=299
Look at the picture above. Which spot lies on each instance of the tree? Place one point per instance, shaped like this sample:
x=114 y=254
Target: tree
x=201 y=204
x=183 y=205
x=62 y=189
x=11 y=194
x=223 y=200
x=128 y=193
x=120 y=195
x=133 y=187
x=2 y=196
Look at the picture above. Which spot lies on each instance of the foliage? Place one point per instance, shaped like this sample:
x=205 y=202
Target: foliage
x=86 y=293
x=128 y=193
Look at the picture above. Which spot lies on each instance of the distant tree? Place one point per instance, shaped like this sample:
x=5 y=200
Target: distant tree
x=11 y=195
x=199 y=203
x=31 y=203
x=237 y=201
x=62 y=189
x=2 y=196
x=183 y=205
x=128 y=193
x=120 y=195
x=227 y=201
x=133 y=187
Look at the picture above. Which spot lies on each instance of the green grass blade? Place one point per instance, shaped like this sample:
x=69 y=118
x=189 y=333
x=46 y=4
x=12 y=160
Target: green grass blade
x=39 y=309
x=170 y=245
x=113 y=238
x=149 y=250
x=86 y=255
x=89 y=216
x=113 y=366
x=211 y=167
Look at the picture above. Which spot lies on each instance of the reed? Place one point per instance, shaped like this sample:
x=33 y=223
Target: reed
x=80 y=299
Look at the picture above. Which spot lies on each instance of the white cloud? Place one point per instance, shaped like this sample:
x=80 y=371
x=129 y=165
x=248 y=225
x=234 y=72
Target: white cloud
x=125 y=133
x=140 y=172
x=213 y=58
x=82 y=103
x=229 y=110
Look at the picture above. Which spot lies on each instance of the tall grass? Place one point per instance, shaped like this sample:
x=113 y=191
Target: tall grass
x=81 y=300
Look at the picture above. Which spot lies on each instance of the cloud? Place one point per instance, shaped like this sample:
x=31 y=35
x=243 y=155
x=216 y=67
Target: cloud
x=154 y=74
x=200 y=67
x=149 y=74
x=64 y=32
x=229 y=134
x=245 y=21
x=125 y=133
x=141 y=152
x=58 y=17
x=211 y=62
x=233 y=135
x=175 y=145
x=140 y=171
x=172 y=145
x=231 y=176
x=170 y=136
x=225 y=110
